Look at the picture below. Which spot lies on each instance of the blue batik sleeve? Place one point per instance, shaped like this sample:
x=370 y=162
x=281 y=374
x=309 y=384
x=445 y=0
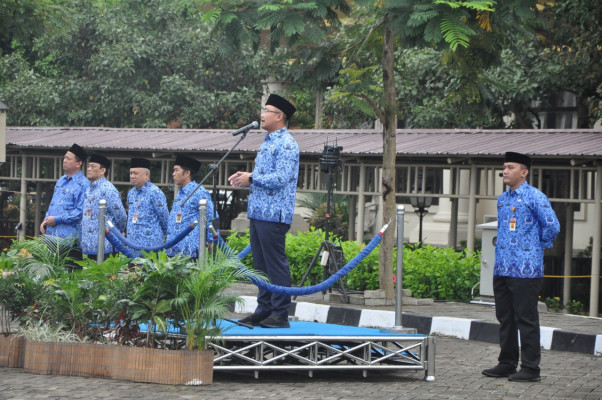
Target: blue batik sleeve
x=286 y=160
x=162 y=210
x=116 y=210
x=548 y=222
x=205 y=195
x=72 y=213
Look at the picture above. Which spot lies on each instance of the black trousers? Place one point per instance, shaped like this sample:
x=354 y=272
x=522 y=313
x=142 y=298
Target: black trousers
x=516 y=310
x=268 y=241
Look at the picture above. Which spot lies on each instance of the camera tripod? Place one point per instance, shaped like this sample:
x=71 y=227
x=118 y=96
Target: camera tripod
x=331 y=256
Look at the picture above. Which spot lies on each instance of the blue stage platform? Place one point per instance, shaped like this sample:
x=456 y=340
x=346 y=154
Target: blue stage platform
x=312 y=346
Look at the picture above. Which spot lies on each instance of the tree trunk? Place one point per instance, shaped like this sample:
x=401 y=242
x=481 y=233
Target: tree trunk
x=389 y=156
x=583 y=121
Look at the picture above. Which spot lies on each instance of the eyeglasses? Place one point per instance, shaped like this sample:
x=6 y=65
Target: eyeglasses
x=267 y=110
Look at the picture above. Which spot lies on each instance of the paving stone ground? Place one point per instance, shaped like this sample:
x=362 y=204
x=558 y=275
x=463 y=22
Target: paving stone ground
x=458 y=376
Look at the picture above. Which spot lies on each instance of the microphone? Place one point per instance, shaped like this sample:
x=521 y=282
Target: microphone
x=245 y=129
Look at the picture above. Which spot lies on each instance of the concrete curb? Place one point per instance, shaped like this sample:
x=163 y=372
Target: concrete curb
x=462 y=328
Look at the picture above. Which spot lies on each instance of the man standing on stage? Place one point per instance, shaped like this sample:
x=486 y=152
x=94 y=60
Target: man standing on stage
x=147 y=207
x=100 y=189
x=184 y=175
x=271 y=205
x=64 y=215
x=526 y=225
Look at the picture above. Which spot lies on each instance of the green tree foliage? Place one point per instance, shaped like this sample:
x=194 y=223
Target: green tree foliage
x=131 y=64
x=574 y=43
x=518 y=64
x=22 y=21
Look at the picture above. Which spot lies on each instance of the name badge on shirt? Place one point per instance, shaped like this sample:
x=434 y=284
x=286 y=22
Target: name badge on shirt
x=89 y=212
x=135 y=219
x=179 y=217
x=512 y=224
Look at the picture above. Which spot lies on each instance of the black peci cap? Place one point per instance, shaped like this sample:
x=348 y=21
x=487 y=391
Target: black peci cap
x=79 y=152
x=102 y=160
x=187 y=162
x=140 y=163
x=282 y=104
x=518 y=158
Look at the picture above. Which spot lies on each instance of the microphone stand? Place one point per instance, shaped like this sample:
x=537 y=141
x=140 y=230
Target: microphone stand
x=215 y=220
x=214 y=167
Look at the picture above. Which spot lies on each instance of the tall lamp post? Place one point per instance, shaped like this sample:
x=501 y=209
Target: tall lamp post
x=421 y=205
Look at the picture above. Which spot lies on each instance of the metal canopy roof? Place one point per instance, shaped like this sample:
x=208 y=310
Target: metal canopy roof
x=427 y=143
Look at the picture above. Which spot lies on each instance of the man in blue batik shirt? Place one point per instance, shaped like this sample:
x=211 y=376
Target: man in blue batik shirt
x=147 y=207
x=184 y=175
x=100 y=189
x=271 y=205
x=64 y=215
x=526 y=225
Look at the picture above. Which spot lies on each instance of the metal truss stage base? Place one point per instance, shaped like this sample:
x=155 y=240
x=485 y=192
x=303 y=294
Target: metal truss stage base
x=310 y=346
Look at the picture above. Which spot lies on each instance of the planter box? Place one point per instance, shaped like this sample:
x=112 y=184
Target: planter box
x=171 y=367
x=12 y=351
x=39 y=357
x=82 y=359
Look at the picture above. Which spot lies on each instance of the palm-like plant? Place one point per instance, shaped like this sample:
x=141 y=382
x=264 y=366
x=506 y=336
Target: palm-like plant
x=160 y=277
x=44 y=257
x=202 y=298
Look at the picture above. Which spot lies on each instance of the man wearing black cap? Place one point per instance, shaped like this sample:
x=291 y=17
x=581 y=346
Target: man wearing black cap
x=64 y=215
x=147 y=207
x=184 y=175
x=526 y=225
x=100 y=189
x=271 y=205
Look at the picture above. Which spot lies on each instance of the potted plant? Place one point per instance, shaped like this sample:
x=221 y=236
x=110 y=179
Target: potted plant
x=44 y=353
x=70 y=312
x=202 y=301
x=17 y=293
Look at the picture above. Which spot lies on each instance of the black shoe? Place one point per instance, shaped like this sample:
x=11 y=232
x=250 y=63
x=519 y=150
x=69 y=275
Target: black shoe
x=253 y=319
x=500 y=371
x=275 y=321
x=525 y=375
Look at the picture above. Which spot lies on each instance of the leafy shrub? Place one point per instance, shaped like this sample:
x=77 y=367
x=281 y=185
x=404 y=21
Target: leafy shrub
x=300 y=250
x=554 y=303
x=574 y=307
x=442 y=274
x=17 y=293
x=365 y=276
x=237 y=242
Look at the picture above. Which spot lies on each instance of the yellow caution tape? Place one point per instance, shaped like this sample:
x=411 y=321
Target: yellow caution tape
x=14 y=237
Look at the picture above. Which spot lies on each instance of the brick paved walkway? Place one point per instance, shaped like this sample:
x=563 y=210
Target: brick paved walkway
x=459 y=363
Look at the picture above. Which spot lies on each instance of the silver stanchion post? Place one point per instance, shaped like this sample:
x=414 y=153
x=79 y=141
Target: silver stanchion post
x=202 y=230
x=399 y=274
x=399 y=271
x=102 y=216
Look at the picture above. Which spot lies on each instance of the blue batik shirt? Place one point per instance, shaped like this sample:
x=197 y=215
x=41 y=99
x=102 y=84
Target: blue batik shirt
x=147 y=215
x=272 y=193
x=181 y=217
x=526 y=225
x=99 y=190
x=66 y=205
